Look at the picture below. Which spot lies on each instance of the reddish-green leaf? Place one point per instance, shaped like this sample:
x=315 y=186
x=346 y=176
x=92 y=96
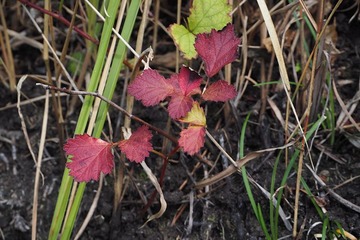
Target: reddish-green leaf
x=138 y=146
x=192 y=139
x=196 y=116
x=90 y=156
x=150 y=87
x=219 y=91
x=217 y=49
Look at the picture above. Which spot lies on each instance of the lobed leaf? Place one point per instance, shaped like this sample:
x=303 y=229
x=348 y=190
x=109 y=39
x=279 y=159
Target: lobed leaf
x=192 y=139
x=219 y=91
x=217 y=49
x=138 y=146
x=209 y=14
x=90 y=156
x=150 y=87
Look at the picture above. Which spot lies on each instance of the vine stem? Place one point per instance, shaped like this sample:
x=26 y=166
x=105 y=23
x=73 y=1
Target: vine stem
x=111 y=103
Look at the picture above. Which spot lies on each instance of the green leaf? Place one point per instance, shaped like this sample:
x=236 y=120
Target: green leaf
x=206 y=15
x=184 y=40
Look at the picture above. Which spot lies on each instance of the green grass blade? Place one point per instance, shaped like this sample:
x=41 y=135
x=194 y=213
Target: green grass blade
x=331 y=111
x=67 y=181
x=290 y=166
x=69 y=225
x=262 y=222
x=324 y=228
x=117 y=64
x=61 y=204
x=242 y=137
x=340 y=229
x=249 y=192
x=273 y=226
x=256 y=209
x=309 y=193
x=243 y=169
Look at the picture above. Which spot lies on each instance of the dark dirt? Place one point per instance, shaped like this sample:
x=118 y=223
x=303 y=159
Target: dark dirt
x=224 y=213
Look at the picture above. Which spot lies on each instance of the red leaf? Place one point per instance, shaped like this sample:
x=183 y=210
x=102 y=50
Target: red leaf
x=217 y=49
x=192 y=139
x=179 y=105
x=189 y=81
x=150 y=87
x=219 y=91
x=138 y=146
x=90 y=156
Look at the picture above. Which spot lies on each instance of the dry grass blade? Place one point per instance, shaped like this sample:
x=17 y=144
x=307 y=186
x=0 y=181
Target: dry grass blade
x=53 y=52
x=340 y=199
x=279 y=116
x=19 y=39
x=37 y=160
x=328 y=153
x=275 y=43
x=29 y=101
x=156 y=184
x=239 y=163
x=92 y=208
x=156 y=25
x=21 y=116
x=38 y=165
x=8 y=58
x=345 y=109
x=244 y=50
x=308 y=14
x=318 y=79
x=346 y=182
x=221 y=148
x=282 y=68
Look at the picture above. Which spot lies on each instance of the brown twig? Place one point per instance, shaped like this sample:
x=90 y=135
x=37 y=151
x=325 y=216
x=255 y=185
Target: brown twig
x=111 y=103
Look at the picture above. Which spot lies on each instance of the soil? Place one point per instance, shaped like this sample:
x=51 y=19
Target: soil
x=222 y=213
